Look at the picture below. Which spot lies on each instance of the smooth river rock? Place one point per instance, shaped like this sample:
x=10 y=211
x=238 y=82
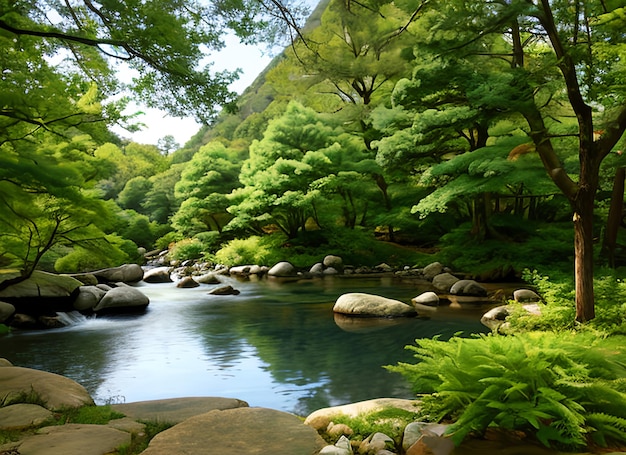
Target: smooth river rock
x=361 y=304
x=127 y=273
x=40 y=285
x=54 y=391
x=236 y=432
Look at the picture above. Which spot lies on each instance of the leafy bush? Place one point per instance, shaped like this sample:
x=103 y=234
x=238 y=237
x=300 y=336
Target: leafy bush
x=519 y=246
x=558 y=292
x=253 y=250
x=541 y=383
x=187 y=249
x=110 y=253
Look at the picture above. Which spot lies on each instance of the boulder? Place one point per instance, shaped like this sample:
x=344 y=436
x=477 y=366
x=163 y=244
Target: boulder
x=385 y=268
x=240 y=270
x=238 y=431
x=54 y=392
x=88 y=297
x=444 y=281
x=175 y=410
x=282 y=269
x=157 y=275
x=526 y=296
x=331 y=271
x=187 y=282
x=207 y=278
x=6 y=311
x=432 y=270
x=40 y=285
x=123 y=298
x=376 y=442
x=495 y=317
x=23 y=415
x=415 y=430
x=429 y=299
x=24 y=321
x=127 y=273
x=333 y=261
x=224 y=290
x=320 y=419
x=432 y=445
x=468 y=287
x=317 y=269
x=361 y=304
x=74 y=439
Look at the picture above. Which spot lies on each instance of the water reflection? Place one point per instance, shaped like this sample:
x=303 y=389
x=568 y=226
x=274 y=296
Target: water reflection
x=277 y=345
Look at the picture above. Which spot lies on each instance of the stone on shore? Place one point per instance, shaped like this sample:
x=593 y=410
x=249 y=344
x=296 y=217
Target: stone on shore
x=361 y=304
x=238 y=431
x=53 y=391
x=23 y=415
x=526 y=296
x=40 y=285
x=175 y=410
x=322 y=417
x=444 y=281
x=468 y=287
x=282 y=269
x=72 y=439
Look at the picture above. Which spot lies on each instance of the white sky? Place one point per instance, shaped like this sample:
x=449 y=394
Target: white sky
x=251 y=59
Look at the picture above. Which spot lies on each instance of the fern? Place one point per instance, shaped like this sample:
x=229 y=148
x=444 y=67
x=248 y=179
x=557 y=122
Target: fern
x=540 y=383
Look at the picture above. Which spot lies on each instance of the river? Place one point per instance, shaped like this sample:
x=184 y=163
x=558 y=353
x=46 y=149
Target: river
x=274 y=345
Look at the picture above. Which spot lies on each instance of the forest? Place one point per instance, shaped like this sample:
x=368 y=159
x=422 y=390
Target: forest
x=486 y=135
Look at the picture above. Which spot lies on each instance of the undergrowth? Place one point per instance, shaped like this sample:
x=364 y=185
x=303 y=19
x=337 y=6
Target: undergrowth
x=391 y=422
x=565 y=389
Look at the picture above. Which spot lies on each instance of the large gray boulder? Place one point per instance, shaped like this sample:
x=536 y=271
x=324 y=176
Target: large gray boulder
x=54 y=392
x=127 y=273
x=238 y=431
x=432 y=270
x=40 y=285
x=444 y=281
x=361 y=304
x=88 y=297
x=468 y=287
x=282 y=269
x=23 y=415
x=6 y=311
x=332 y=261
x=123 y=298
x=158 y=275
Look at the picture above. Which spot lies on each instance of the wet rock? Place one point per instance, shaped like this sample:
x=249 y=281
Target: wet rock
x=88 y=297
x=123 y=298
x=444 y=281
x=208 y=278
x=187 y=282
x=428 y=298
x=361 y=304
x=224 y=290
x=317 y=269
x=375 y=443
x=469 y=288
x=432 y=270
x=495 y=317
x=158 y=275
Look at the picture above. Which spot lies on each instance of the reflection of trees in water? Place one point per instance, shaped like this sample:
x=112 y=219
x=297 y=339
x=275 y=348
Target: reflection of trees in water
x=293 y=331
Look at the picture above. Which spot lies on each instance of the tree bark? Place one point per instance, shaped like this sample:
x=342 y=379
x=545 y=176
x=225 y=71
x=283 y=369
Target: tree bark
x=583 y=255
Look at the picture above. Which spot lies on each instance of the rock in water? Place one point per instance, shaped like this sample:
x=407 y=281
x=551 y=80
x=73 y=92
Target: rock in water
x=361 y=304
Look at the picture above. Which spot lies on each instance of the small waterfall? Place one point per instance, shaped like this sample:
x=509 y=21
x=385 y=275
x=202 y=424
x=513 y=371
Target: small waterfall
x=71 y=318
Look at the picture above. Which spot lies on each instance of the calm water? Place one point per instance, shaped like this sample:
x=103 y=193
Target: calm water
x=275 y=345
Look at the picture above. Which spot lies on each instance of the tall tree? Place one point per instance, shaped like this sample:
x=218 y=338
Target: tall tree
x=553 y=53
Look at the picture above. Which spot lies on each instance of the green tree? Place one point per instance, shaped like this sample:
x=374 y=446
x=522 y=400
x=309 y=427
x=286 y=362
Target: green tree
x=565 y=55
x=203 y=188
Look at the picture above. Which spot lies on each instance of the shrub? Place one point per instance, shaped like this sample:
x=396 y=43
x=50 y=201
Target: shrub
x=187 y=249
x=541 y=383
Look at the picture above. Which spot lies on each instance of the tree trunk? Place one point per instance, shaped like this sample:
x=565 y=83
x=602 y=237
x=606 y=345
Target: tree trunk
x=583 y=256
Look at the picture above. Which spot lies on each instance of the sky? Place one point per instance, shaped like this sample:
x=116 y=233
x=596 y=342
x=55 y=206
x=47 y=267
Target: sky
x=252 y=60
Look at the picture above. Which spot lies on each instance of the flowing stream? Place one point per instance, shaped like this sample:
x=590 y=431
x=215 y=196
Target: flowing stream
x=275 y=345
